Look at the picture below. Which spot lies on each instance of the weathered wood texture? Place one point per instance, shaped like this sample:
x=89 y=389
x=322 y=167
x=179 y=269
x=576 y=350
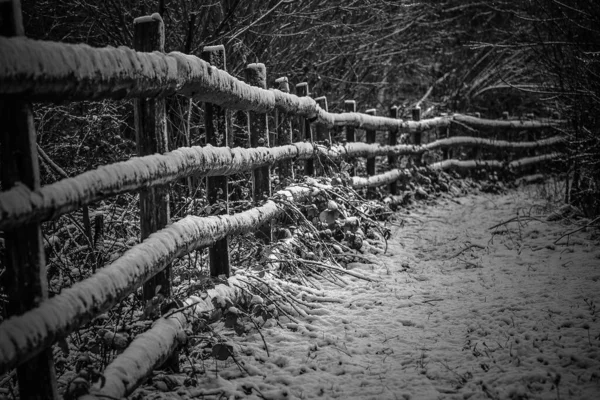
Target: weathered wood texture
x=25 y=273
x=350 y=107
x=370 y=137
x=217 y=188
x=392 y=158
x=416 y=135
x=151 y=133
x=305 y=129
x=258 y=126
x=322 y=136
x=284 y=136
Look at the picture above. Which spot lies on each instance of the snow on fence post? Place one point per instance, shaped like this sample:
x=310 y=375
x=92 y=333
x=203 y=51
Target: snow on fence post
x=217 y=186
x=25 y=274
x=284 y=136
x=416 y=136
x=323 y=136
x=478 y=150
x=350 y=106
x=392 y=158
x=151 y=132
x=305 y=129
x=258 y=126
x=503 y=135
x=444 y=133
x=370 y=138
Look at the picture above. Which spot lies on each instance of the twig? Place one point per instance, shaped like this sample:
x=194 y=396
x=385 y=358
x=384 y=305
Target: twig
x=578 y=229
x=331 y=267
x=518 y=218
x=465 y=249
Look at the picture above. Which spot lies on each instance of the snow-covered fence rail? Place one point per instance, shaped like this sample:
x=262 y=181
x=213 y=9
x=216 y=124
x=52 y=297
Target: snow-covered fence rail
x=20 y=205
x=33 y=70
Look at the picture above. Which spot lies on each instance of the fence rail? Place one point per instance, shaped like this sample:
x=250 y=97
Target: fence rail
x=44 y=71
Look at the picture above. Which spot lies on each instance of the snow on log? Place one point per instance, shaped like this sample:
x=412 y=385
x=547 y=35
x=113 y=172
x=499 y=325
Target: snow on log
x=534 y=160
x=457 y=141
x=510 y=124
x=360 y=149
x=26 y=335
x=381 y=179
x=20 y=205
x=152 y=348
x=466 y=164
x=52 y=71
x=470 y=164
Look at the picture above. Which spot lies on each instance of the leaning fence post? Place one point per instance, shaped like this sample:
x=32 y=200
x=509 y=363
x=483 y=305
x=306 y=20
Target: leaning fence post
x=258 y=126
x=284 y=136
x=151 y=134
x=305 y=129
x=350 y=106
x=217 y=186
x=416 y=116
x=370 y=138
x=393 y=140
x=25 y=273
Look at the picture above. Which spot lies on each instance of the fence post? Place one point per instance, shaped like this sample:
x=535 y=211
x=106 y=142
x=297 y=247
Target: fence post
x=258 y=126
x=350 y=106
x=305 y=129
x=444 y=132
x=284 y=136
x=392 y=158
x=370 y=138
x=217 y=186
x=151 y=133
x=323 y=136
x=25 y=274
x=416 y=116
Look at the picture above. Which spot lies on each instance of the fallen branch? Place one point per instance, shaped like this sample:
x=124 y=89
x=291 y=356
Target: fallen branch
x=578 y=229
x=465 y=249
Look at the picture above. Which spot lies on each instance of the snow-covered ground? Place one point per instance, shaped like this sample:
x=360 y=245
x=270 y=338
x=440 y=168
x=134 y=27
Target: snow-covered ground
x=458 y=311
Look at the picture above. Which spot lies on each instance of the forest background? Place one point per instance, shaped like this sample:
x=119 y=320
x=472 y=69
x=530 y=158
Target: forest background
x=533 y=56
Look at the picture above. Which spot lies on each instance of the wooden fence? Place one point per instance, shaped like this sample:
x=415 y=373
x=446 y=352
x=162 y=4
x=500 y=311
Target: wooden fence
x=38 y=71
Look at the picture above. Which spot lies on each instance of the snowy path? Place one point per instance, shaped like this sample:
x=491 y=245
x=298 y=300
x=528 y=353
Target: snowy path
x=509 y=317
